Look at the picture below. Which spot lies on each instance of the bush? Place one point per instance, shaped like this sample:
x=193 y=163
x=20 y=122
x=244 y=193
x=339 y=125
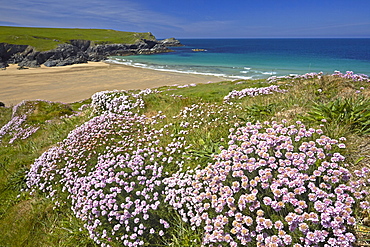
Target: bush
x=126 y=175
x=275 y=185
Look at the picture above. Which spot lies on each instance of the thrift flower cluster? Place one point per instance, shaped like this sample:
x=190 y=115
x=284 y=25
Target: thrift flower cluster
x=118 y=101
x=187 y=85
x=111 y=168
x=348 y=75
x=311 y=75
x=17 y=128
x=352 y=76
x=108 y=168
x=252 y=92
x=272 y=184
x=275 y=185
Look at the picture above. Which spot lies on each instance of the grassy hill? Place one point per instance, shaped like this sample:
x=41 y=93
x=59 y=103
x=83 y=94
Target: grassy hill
x=48 y=38
x=178 y=166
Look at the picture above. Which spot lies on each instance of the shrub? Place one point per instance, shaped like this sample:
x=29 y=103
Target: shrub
x=111 y=181
x=125 y=175
x=275 y=185
x=252 y=92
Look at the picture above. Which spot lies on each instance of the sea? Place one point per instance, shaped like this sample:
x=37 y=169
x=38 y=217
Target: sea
x=258 y=58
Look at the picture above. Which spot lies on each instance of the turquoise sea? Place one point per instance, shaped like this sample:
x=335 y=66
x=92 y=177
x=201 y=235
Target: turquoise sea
x=259 y=58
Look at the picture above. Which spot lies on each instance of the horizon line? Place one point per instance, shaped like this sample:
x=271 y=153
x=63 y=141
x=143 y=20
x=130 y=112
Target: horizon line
x=291 y=37
x=270 y=38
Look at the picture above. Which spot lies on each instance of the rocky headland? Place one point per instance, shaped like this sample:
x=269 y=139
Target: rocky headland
x=78 y=51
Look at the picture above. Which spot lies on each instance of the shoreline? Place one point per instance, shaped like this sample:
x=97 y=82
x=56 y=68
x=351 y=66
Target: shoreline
x=73 y=83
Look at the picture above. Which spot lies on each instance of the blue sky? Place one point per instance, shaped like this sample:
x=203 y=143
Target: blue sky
x=198 y=18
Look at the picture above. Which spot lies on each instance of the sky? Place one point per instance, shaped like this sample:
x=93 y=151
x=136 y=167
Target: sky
x=198 y=18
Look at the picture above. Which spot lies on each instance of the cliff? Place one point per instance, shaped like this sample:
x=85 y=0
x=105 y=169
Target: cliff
x=78 y=51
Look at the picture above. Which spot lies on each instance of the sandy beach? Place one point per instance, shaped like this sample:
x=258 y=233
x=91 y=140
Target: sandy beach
x=77 y=82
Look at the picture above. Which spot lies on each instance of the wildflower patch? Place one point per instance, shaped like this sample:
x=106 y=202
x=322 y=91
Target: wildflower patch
x=275 y=185
x=127 y=176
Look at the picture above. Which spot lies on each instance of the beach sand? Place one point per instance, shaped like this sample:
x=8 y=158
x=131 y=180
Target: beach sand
x=79 y=81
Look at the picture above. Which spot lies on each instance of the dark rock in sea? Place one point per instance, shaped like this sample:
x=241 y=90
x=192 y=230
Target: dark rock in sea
x=96 y=57
x=78 y=51
x=171 y=42
x=158 y=48
x=109 y=49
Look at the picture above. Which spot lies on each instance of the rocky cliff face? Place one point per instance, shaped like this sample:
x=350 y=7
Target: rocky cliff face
x=171 y=42
x=78 y=51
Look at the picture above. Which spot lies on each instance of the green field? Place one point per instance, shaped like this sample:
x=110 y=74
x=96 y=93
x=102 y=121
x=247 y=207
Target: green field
x=111 y=156
x=48 y=38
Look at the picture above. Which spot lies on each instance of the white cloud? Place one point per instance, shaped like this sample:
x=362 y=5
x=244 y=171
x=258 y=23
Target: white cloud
x=125 y=15
x=73 y=13
x=133 y=15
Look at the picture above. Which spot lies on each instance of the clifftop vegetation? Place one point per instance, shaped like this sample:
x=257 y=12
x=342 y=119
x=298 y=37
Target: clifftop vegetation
x=44 y=39
x=282 y=161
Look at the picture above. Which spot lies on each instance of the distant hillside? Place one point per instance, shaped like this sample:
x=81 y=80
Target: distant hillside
x=43 y=39
x=32 y=47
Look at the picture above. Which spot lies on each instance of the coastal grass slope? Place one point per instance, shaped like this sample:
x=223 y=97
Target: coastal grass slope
x=44 y=39
x=167 y=167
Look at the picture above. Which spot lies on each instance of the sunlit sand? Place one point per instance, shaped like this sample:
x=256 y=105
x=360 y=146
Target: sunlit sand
x=77 y=82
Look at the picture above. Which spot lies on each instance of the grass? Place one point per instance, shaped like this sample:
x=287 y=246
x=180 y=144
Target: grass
x=217 y=91
x=43 y=39
x=32 y=220
x=28 y=220
x=352 y=112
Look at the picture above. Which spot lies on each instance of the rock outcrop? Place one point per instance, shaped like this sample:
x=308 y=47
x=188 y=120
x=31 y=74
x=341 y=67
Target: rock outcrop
x=9 y=52
x=78 y=51
x=171 y=42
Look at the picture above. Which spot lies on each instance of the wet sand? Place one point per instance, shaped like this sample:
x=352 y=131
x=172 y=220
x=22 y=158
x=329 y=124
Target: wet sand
x=79 y=81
